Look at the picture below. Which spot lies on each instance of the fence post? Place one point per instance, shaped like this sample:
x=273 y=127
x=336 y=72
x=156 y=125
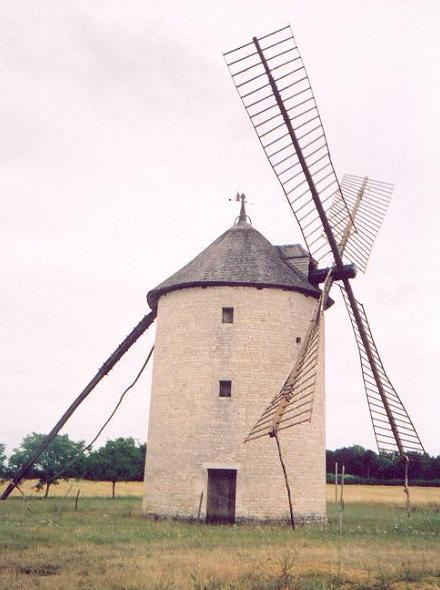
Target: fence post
x=341 y=501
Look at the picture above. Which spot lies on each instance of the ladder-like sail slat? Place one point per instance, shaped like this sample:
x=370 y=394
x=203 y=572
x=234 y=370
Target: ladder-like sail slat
x=368 y=211
x=294 y=403
x=347 y=226
x=294 y=123
x=402 y=426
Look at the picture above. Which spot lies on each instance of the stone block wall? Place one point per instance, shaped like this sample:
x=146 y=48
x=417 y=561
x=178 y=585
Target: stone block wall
x=192 y=429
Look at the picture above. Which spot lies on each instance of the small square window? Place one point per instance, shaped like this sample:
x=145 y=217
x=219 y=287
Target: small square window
x=225 y=388
x=227 y=315
x=298 y=340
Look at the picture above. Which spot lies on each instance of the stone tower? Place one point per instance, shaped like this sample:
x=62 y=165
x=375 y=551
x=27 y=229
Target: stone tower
x=229 y=328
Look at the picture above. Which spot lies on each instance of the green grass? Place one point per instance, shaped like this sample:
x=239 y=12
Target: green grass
x=107 y=545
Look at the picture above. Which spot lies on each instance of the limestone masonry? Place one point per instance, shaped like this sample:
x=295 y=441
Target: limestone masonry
x=195 y=435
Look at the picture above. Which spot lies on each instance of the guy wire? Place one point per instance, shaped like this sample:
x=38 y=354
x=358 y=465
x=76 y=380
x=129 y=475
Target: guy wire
x=113 y=412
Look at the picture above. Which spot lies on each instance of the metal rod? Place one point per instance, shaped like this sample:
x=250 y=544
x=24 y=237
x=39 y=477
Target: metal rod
x=283 y=53
x=290 y=418
x=286 y=98
x=298 y=104
x=292 y=84
x=286 y=426
x=289 y=61
x=316 y=150
x=372 y=214
x=254 y=91
x=273 y=128
x=288 y=74
x=287 y=170
x=250 y=79
x=300 y=137
x=237 y=49
x=312 y=108
x=279 y=43
x=258 y=113
x=252 y=104
x=371 y=180
x=267 y=120
x=304 y=147
x=275 y=32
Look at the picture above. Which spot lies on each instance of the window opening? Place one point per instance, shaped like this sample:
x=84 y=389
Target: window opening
x=228 y=315
x=225 y=388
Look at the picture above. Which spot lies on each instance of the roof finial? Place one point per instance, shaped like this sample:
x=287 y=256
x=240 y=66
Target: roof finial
x=242 y=218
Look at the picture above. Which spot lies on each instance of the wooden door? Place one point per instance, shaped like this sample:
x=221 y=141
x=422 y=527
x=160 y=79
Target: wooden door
x=220 y=506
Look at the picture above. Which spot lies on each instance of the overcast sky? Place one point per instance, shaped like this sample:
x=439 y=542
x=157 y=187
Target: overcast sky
x=122 y=139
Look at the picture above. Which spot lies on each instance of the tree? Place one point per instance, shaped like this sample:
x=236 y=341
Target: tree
x=60 y=456
x=3 y=467
x=365 y=463
x=118 y=460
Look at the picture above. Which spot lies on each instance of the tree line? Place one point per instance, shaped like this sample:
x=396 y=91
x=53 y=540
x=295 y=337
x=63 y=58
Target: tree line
x=121 y=459
x=365 y=466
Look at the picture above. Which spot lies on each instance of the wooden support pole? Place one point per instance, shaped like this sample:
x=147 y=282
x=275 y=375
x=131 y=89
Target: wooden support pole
x=336 y=482
x=289 y=495
x=137 y=331
x=199 y=512
x=341 y=500
x=76 y=500
x=406 y=487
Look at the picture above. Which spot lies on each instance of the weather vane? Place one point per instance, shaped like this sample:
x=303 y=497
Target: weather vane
x=243 y=217
x=239 y=197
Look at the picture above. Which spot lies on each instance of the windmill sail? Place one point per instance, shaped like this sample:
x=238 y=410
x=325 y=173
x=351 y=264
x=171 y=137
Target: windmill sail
x=391 y=437
x=293 y=405
x=275 y=90
x=368 y=201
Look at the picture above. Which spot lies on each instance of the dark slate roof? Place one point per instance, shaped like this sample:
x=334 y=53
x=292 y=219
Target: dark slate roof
x=240 y=256
x=293 y=251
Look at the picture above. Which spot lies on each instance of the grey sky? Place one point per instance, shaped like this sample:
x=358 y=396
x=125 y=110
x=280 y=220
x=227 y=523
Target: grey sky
x=122 y=140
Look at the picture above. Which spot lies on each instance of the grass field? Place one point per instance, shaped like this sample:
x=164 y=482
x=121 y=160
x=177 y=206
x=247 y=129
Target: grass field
x=352 y=493
x=101 y=489
x=107 y=545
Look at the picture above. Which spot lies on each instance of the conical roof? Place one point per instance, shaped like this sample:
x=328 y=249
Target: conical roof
x=241 y=256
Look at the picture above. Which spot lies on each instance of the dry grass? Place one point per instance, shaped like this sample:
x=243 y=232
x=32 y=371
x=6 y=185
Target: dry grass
x=352 y=493
x=385 y=494
x=107 y=545
x=101 y=489
x=284 y=567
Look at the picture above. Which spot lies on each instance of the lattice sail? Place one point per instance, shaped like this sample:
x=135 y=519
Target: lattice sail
x=293 y=405
x=383 y=431
x=367 y=201
x=275 y=90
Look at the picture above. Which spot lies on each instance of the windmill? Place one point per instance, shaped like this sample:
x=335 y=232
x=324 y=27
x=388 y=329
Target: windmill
x=339 y=223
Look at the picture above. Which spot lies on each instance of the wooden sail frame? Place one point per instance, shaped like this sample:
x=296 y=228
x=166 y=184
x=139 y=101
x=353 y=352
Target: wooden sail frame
x=273 y=85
